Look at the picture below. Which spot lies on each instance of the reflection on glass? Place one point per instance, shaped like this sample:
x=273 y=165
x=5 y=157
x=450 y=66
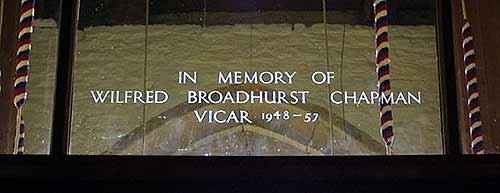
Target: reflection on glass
x=110 y=57
x=148 y=50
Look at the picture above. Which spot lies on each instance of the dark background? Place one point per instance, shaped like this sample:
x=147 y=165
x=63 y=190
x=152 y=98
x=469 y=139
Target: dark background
x=118 y=12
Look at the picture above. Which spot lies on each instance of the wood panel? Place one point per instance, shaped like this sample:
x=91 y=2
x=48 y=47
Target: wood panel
x=483 y=16
x=7 y=59
x=1 y=17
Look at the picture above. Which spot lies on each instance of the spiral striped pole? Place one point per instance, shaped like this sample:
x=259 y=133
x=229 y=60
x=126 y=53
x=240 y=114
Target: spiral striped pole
x=26 y=20
x=383 y=71
x=471 y=73
x=20 y=141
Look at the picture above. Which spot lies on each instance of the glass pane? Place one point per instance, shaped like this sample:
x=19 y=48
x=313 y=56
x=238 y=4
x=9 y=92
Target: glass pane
x=195 y=43
x=292 y=41
x=38 y=111
x=414 y=72
x=109 y=62
x=229 y=39
x=202 y=61
x=29 y=124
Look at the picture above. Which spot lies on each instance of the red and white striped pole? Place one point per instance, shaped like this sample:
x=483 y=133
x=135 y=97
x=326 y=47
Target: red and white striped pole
x=26 y=20
x=383 y=60
x=471 y=74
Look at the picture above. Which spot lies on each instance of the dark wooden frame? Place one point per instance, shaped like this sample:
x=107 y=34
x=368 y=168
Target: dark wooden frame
x=8 y=45
x=452 y=172
x=483 y=16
